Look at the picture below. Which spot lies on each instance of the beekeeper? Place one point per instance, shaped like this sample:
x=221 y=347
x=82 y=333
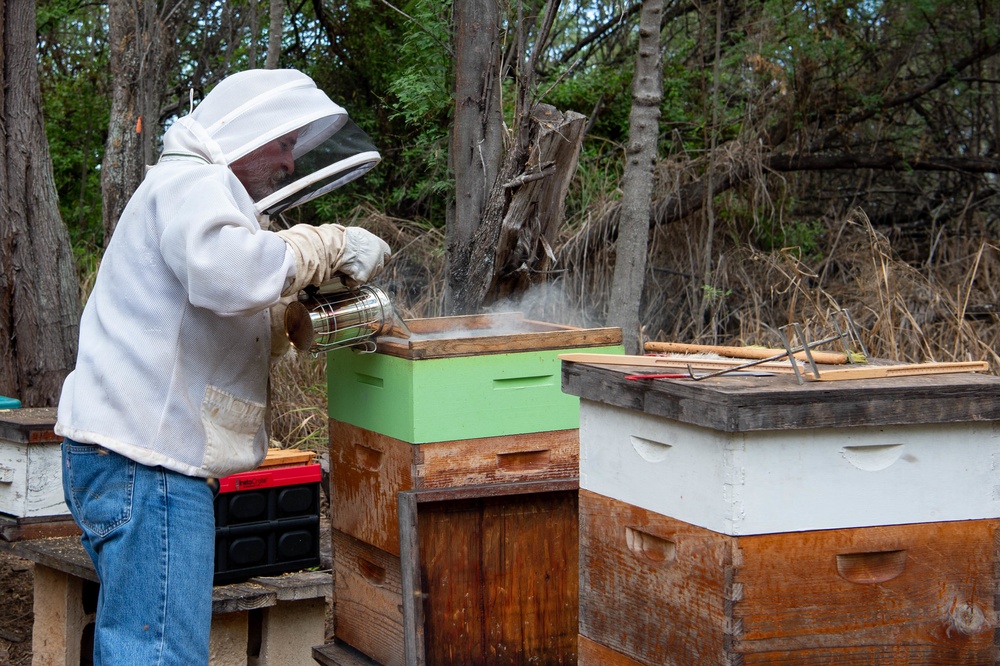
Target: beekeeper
x=170 y=383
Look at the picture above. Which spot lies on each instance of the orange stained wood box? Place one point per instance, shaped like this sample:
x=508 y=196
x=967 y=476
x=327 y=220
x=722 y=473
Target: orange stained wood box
x=486 y=548
x=369 y=470
x=660 y=591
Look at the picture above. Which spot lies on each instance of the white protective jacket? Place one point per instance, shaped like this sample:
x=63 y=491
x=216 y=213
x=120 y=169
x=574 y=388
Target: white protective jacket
x=175 y=337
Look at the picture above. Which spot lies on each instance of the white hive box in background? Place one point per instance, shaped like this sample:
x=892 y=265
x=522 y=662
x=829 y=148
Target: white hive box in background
x=30 y=464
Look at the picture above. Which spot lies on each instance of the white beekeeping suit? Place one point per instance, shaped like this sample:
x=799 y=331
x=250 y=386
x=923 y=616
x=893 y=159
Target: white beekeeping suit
x=175 y=337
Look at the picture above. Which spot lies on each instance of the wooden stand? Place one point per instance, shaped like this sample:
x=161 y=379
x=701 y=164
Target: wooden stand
x=271 y=621
x=46 y=527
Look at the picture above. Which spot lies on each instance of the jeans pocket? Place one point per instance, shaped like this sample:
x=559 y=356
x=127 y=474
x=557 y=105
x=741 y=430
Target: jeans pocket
x=101 y=486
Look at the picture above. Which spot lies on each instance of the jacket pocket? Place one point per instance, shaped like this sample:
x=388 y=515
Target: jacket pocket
x=232 y=426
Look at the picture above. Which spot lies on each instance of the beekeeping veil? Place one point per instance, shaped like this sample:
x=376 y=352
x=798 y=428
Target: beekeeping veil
x=276 y=124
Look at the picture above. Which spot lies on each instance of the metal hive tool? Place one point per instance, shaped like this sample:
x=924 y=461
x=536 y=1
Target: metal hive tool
x=846 y=334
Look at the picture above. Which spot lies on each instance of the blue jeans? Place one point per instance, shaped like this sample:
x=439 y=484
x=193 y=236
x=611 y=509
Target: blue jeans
x=151 y=535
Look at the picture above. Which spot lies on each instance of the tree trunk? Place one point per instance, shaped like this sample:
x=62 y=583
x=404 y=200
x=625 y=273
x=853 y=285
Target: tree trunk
x=137 y=73
x=534 y=216
x=277 y=15
x=637 y=182
x=507 y=225
x=39 y=289
x=477 y=137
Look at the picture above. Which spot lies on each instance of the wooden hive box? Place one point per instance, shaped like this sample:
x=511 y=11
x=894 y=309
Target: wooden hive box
x=468 y=421
x=662 y=591
x=368 y=470
x=462 y=378
x=493 y=496
x=491 y=580
x=368 y=608
x=482 y=579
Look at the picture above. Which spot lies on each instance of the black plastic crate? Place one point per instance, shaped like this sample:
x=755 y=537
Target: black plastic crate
x=267 y=523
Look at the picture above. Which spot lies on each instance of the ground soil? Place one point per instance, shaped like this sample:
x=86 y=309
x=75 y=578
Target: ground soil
x=16 y=617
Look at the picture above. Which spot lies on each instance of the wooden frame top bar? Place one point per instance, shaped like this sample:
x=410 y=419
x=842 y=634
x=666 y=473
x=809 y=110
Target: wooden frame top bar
x=468 y=335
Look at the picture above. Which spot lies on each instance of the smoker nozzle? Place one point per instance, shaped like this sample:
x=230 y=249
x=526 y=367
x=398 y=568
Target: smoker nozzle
x=397 y=328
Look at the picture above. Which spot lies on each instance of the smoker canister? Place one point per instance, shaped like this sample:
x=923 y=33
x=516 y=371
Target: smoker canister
x=333 y=317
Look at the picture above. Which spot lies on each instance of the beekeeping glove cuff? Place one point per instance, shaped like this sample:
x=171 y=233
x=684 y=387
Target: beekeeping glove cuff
x=364 y=256
x=280 y=345
x=318 y=250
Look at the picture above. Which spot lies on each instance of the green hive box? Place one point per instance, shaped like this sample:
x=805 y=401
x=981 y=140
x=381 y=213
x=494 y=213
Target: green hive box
x=462 y=378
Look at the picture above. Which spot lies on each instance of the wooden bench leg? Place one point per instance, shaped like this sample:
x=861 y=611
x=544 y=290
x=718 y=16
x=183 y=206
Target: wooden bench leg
x=289 y=630
x=60 y=618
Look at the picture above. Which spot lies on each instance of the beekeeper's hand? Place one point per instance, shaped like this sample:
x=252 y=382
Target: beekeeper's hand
x=364 y=256
x=318 y=250
x=280 y=345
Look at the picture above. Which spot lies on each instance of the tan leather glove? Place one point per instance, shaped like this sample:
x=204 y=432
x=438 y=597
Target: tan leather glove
x=280 y=345
x=318 y=252
x=321 y=251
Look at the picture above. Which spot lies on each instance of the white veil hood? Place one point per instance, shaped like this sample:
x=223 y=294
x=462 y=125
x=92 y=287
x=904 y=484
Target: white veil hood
x=250 y=109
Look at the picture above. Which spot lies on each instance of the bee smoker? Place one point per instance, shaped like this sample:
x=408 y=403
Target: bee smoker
x=333 y=316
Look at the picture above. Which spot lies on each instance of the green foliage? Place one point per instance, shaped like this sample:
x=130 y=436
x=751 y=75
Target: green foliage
x=73 y=58
x=806 y=238
x=606 y=90
x=420 y=85
x=678 y=110
x=800 y=67
x=420 y=98
x=714 y=295
x=597 y=179
x=392 y=73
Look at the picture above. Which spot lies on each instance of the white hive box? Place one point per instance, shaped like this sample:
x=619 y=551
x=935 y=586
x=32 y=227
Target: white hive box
x=759 y=455
x=30 y=465
x=769 y=481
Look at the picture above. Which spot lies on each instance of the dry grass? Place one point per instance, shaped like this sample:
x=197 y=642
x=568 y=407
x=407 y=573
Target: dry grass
x=904 y=314
x=298 y=402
